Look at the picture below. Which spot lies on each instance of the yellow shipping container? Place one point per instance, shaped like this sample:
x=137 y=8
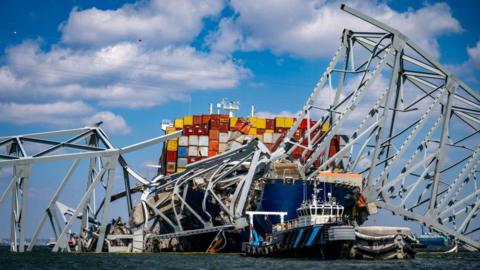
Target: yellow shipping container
x=261 y=123
x=268 y=130
x=252 y=131
x=180 y=169
x=172 y=145
x=178 y=123
x=188 y=120
x=233 y=121
x=280 y=122
x=326 y=127
x=289 y=122
x=170 y=130
x=253 y=121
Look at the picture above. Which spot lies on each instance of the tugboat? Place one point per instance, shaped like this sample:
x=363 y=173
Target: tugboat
x=319 y=231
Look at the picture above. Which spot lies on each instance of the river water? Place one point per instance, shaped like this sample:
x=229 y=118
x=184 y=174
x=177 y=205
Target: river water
x=44 y=259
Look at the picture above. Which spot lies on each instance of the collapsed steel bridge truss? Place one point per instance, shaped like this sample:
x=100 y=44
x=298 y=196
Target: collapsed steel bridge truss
x=209 y=196
x=21 y=153
x=412 y=129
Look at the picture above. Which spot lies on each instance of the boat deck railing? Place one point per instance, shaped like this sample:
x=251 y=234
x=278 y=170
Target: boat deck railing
x=306 y=221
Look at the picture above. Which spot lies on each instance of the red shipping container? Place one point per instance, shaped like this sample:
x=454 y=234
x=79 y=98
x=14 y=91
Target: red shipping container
x=304 y=123
x=212 y=153
x=205 y=119
x=197 y=119
x=188 y=130
x=200 y=130
x=193 y=159
x=260 y=131
x=213 y=134
x=213 y=145
x=171 y=166
x=171 y=156
x=224 y=128
x=214 y=124
x=270 y=123
x=224 y=117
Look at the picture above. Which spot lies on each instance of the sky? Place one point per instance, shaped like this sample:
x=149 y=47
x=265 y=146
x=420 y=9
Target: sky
x=130 y=64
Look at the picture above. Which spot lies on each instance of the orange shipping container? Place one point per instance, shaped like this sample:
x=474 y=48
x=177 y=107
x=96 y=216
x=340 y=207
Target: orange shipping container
x=213 y=134
x=213 y=146
x=205 y=119
x=212 y=153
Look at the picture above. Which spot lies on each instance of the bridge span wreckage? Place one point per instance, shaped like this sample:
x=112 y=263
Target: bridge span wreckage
x=411 y=128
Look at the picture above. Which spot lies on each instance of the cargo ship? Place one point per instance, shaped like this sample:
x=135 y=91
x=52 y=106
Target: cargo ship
x=205 y=136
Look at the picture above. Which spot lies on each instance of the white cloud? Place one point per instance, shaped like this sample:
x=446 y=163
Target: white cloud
x=111 y=122
x=467 y=69
x=474 y=56
x=312 y=29
x=121 y=75
x=61 y=114
x=101 y=63
x=156 y=23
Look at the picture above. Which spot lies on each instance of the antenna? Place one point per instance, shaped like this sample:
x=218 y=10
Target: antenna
x=230 y=107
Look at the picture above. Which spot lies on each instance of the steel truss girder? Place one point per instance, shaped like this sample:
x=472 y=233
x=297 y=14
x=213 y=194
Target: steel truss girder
x=443 y=126
x=86 y=143
x=227 y=179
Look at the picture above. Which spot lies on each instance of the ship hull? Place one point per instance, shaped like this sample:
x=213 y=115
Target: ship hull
x=319 y=242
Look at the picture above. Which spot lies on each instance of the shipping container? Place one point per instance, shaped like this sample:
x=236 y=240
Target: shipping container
x=270 y=124
x=172 y=145
x=197 y=119
x=183 y=141
x=213 y=145
x=178 y=123
x=214 y=134
x=268 y=138
x=203 y=141
x=193 y=140
x=222 y=147
x=193 y=151
x=261 y=123
x=223 y=137
x=171 y=156
x=233 y=121
x=182 y=151
x=188 y=120
x=171 y=167
x=279 y=122
x=203 y=151
x=182 y=162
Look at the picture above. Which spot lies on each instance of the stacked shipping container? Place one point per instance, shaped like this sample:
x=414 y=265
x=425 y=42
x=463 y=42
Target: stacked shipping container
x=208 y=135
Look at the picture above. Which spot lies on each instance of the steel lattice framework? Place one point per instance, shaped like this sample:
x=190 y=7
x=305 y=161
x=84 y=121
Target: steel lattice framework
x=411 y=127
x=89 y=143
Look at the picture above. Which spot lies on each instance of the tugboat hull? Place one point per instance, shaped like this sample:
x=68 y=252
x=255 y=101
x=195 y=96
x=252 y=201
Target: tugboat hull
x=319 y=241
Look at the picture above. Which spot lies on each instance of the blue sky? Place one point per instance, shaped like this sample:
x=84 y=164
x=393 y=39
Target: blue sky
x=65 y=64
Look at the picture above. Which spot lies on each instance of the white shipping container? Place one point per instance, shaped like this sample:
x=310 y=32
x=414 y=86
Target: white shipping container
x=268 y=137
x=223 y=138
x=193 y=140
x=182 y=163
x=222 y=147
x=183 y=141
x=203 y=141
x=204 y=151
x=193 y=151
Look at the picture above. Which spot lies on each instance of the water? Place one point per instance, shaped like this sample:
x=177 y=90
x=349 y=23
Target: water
x=44 y=259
